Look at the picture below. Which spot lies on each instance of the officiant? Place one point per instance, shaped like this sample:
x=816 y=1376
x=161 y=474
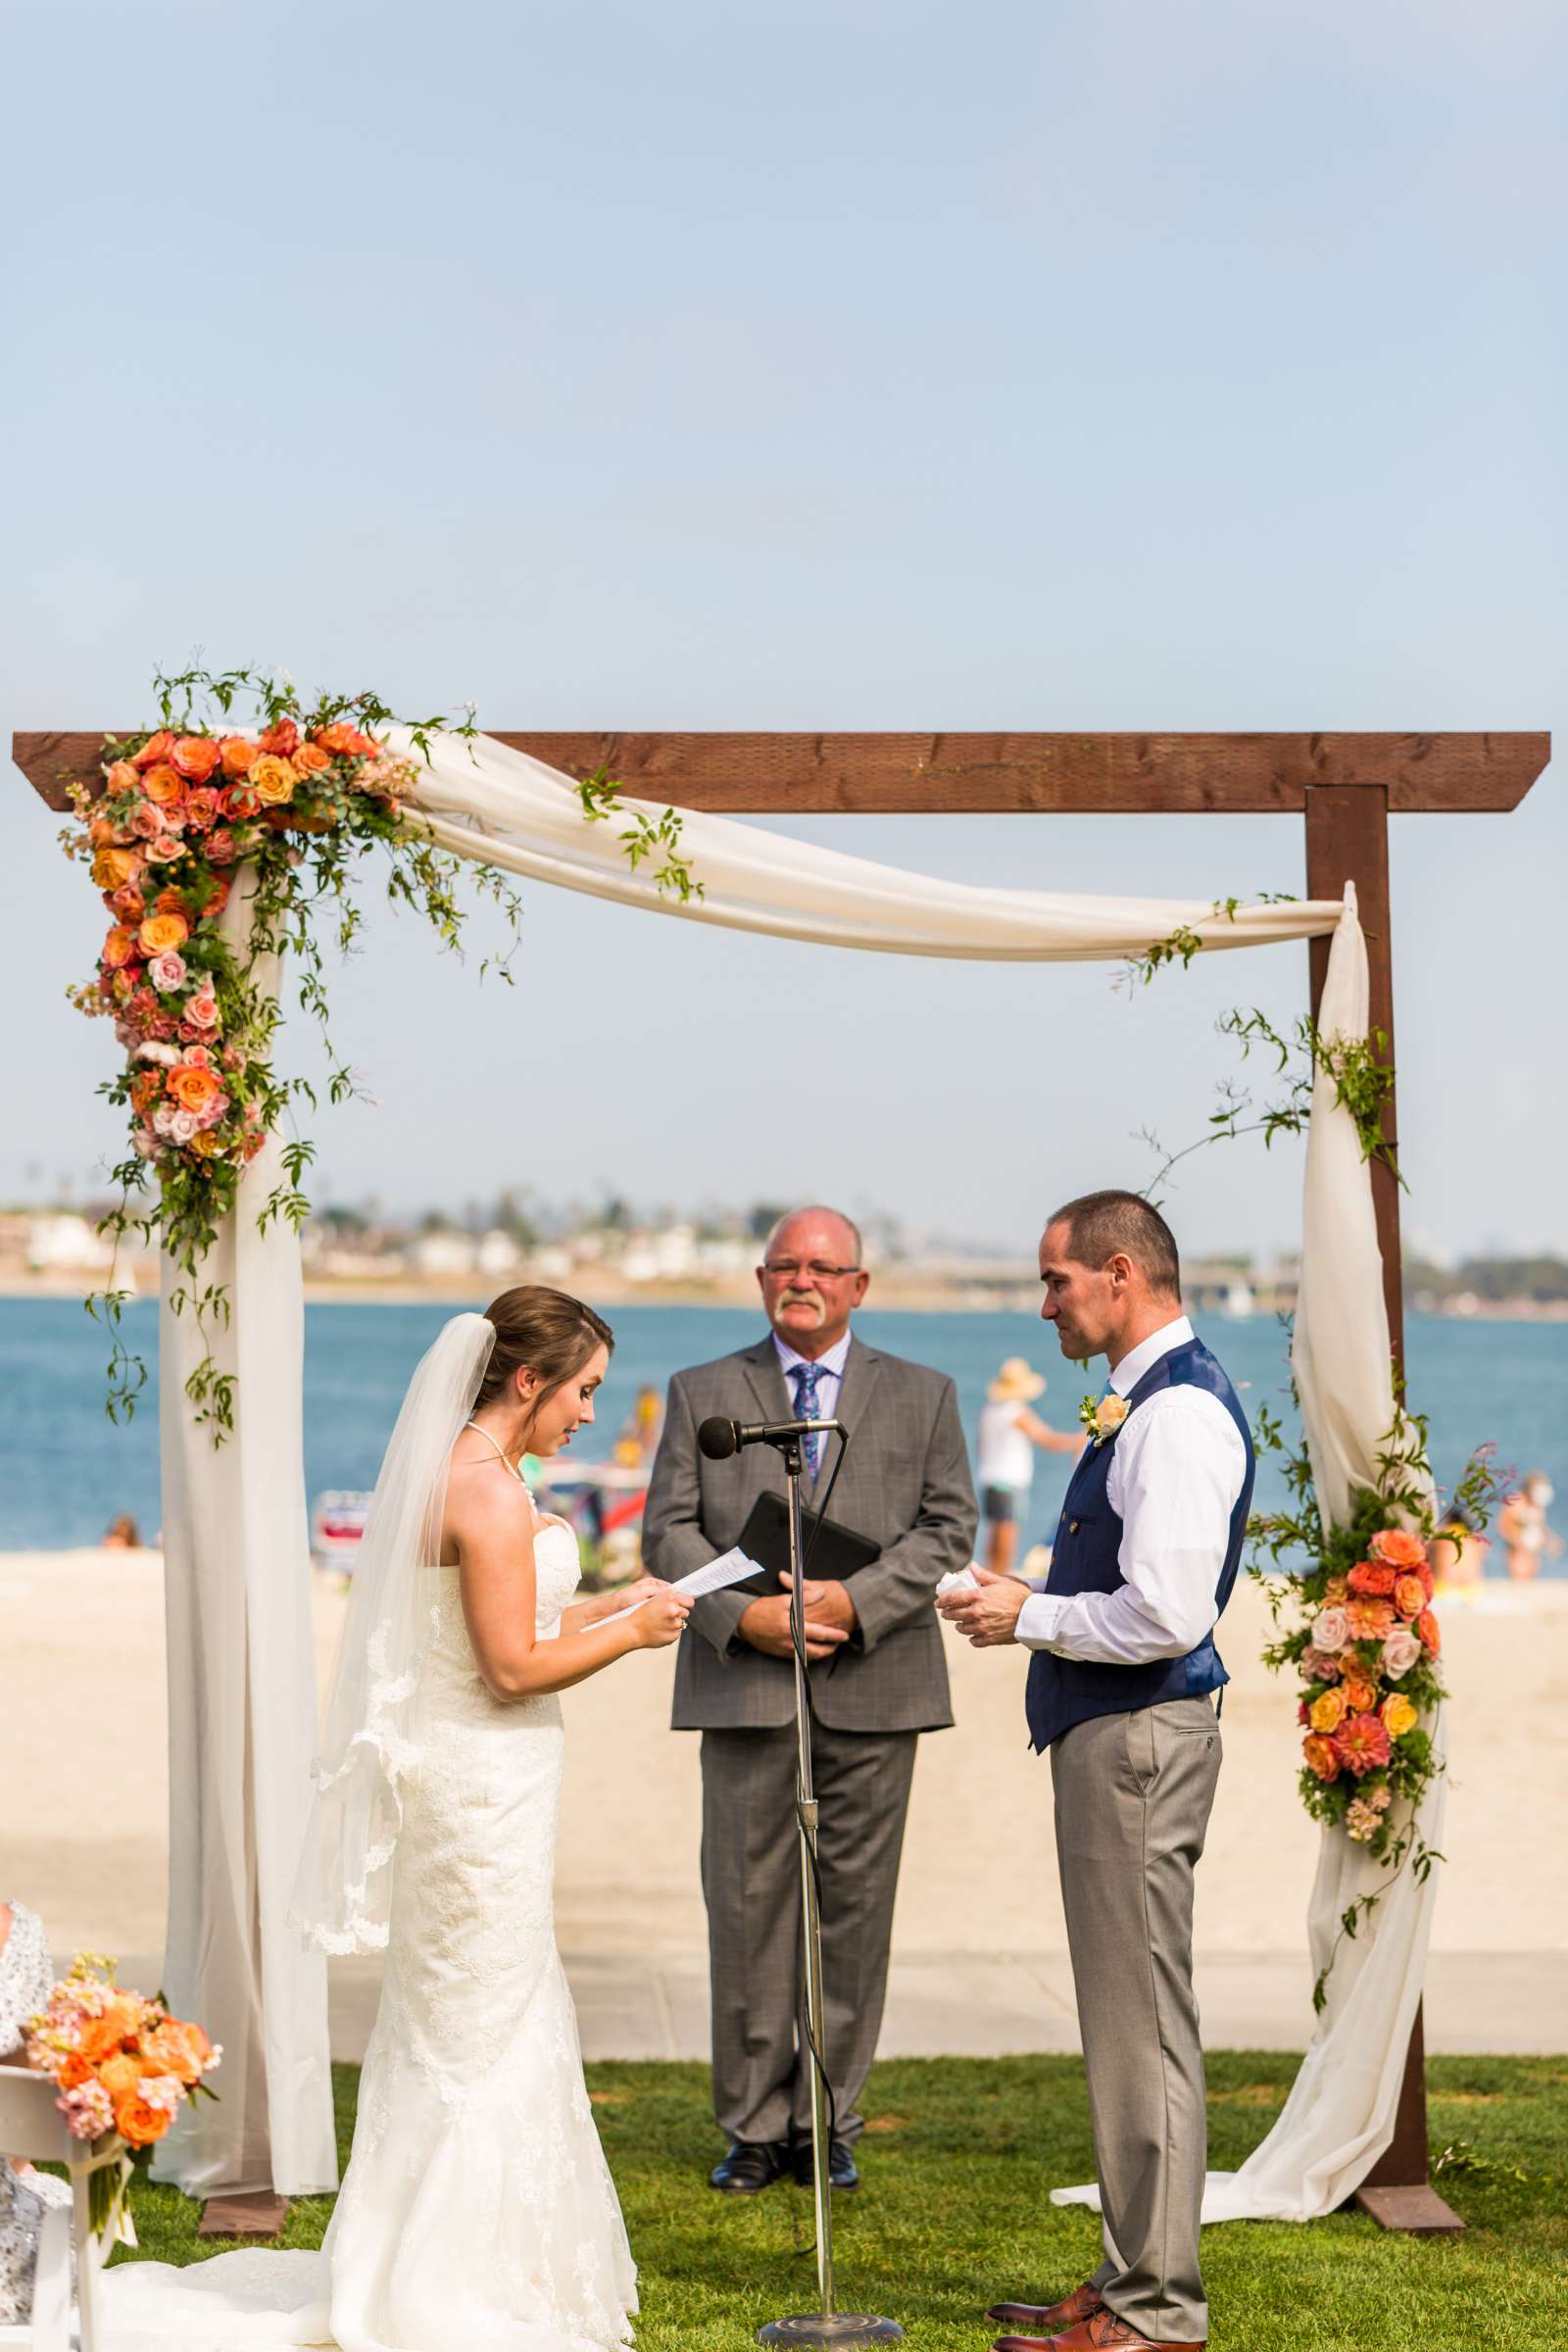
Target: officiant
x=902 y=1513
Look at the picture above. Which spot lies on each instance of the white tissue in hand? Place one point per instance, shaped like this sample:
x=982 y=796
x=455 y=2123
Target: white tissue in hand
x=958 y=1580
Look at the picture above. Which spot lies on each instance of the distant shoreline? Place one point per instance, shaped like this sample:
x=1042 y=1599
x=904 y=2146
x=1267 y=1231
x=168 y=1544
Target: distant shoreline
x=890 y=1295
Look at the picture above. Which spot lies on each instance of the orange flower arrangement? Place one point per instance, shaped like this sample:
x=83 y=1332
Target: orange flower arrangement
x=121 y=2064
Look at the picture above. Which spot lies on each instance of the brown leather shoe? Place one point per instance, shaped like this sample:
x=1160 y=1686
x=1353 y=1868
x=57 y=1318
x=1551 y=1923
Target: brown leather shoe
x=1103 y=2331
x=1045 y=2319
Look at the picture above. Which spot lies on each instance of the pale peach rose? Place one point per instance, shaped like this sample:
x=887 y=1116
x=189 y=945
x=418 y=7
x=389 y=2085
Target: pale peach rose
x=1410 y=1596
x=310 y=759
x=1331 y=1630
x=1400 y=1653
x=145 y=821
x=121 y=776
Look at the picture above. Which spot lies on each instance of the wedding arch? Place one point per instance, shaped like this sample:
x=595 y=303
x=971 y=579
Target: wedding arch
x=241 y=1682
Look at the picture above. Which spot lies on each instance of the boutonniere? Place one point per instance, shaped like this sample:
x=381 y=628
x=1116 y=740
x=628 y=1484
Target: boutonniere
x=1103 y=1416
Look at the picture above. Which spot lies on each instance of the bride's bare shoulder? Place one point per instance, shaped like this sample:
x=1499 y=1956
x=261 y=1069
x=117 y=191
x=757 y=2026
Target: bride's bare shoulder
x=486 y=1503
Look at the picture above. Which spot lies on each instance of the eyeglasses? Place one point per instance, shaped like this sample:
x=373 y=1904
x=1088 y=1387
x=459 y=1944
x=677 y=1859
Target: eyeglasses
x=785 y=1269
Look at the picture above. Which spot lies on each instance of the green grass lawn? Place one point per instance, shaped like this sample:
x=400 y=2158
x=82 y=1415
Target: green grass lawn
x=957 y=2160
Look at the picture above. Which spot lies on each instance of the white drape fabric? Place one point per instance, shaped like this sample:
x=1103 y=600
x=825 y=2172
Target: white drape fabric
x=242 y=1730
x=343 y=1899
x=501 y=806
x=1340 y=2113
x=242 y=1709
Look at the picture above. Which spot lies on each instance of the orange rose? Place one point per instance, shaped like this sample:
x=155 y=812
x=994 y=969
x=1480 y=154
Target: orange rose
x=157 y=747
x=1359 y=1695
x=345 y=742
x=73 y=2072
x=272 y=780
x=169 y=902
x=284 y=738
x=117 y=948
x=1410 y=1596
x=201 y=808
x=1426 y=1630
x=112 y=869
x=162 y=932
x=1321 y=1756
x=145 y=1089
x=310 y=759
x=1327 y=1713
x=1398 y=1547
x=139 y=2123
x=164 y=785
x=194 y=1087
x=196 y=757
x=121 y=777
x=238 y=755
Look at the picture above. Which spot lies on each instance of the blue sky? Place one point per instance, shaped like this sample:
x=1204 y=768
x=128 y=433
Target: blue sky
x=1048 y=365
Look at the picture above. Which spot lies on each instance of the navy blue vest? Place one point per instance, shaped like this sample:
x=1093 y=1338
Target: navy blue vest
x=1063 y=1692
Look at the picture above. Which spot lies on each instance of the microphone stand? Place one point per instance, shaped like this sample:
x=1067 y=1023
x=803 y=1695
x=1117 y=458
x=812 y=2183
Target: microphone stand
x=844 y=2332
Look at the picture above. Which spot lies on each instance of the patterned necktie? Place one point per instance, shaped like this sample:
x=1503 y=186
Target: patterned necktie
x=808 y=1408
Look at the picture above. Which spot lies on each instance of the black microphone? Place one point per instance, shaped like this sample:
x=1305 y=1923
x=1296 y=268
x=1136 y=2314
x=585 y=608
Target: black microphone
x=718 y=1439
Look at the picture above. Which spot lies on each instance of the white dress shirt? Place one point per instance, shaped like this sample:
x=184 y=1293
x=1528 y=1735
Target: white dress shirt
x=1176 y=1469
x=829 y=1369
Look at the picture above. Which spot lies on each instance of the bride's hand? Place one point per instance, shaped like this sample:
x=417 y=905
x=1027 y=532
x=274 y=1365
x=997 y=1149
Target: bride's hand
x=662 y=1619
x=625 y=1596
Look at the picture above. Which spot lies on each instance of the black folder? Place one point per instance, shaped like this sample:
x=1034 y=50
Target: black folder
x=834 y=1555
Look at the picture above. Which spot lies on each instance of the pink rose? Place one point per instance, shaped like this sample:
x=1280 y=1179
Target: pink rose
x=1399 y=1652
x=1331 y=1630
x=220 y=846
x=197 y=1057
x=145 y=822
x=183 y=1126
x=166 y=849
x=1317 y=1666
x=168 y=972
x=202 y=1010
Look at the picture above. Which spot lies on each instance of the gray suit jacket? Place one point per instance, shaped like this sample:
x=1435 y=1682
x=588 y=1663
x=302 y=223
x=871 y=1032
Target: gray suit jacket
x=904 y=1484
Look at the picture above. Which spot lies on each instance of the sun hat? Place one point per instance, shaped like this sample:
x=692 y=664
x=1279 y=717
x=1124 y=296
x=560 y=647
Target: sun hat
x=1017 y=1382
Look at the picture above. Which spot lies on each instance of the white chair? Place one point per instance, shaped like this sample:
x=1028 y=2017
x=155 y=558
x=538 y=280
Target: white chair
x=31 y=2125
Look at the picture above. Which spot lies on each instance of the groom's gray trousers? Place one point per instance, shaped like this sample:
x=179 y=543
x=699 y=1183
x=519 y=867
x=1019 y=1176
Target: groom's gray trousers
x=1133 y=1794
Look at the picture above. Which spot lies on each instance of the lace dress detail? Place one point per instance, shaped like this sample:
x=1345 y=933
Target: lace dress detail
x=26 y=1980
x=478 y=2209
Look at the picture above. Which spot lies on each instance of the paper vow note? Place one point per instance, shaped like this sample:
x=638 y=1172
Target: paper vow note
x=730 y=1568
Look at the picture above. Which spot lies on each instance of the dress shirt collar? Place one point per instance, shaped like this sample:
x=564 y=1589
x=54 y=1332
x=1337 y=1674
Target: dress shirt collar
x=1130 y=1371
x=834 y=1362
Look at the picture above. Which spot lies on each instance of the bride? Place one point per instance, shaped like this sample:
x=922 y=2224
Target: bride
x=477 y=2209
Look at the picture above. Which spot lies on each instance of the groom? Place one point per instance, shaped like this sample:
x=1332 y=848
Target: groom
x=1119 y=1690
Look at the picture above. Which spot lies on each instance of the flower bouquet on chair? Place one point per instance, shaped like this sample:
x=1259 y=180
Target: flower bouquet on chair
x=123 y=2068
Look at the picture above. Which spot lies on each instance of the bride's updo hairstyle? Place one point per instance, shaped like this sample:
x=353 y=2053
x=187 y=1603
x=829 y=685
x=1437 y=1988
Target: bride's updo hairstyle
x=552 y=1334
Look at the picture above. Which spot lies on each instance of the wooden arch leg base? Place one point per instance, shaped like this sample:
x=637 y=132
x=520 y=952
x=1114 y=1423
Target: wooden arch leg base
x=250 y=2213
x=1397 y=2192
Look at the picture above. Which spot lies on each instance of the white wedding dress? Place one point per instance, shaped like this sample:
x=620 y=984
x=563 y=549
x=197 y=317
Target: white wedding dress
x=477 y=2212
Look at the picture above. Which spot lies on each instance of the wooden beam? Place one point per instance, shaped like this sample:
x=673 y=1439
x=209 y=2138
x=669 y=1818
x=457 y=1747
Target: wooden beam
x=1081 y=775
x=1348 y=840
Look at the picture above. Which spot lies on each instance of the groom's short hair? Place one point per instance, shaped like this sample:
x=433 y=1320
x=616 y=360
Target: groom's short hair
x=1101 y=1224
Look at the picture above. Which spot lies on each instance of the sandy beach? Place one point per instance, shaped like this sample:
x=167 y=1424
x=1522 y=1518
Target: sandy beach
x=84 y=1840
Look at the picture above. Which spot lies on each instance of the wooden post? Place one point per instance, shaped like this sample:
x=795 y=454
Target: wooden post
x=1348 y=840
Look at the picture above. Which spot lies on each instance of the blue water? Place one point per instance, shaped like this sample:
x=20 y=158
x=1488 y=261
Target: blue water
x=65 y=1471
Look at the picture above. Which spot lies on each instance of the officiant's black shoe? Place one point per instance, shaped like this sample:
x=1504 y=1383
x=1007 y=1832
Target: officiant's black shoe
x=1046 y=2319
x=751 y=2165
x=842 y=2170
